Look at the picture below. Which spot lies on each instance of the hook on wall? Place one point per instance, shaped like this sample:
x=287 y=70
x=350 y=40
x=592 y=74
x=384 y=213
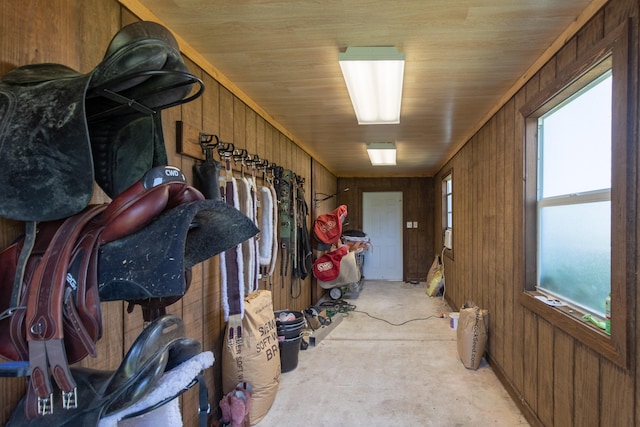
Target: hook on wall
x=195 y=143
x=324 y=197
x=254 y=161
x=225 y=149
x=206 y=139
x=239 y=155
x=206 y=143
x=262 y=163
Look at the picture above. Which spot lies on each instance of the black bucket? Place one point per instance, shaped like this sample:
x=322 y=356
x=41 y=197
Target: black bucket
x=289 y=351
x=290 y=332
x=290 y=338
x=289 y=329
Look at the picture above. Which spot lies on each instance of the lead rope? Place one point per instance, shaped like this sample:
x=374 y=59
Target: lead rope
x=295 y=278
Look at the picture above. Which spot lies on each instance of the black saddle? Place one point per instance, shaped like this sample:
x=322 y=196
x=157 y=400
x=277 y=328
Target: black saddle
x=159 y=348
x=60 y=129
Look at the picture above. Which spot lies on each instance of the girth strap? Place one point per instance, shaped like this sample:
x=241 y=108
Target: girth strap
x=44 y=319
x=231 y=261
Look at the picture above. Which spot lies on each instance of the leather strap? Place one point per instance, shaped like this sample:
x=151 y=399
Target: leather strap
x=232 y=273
x=231 y=263
x=81 y=299
x=230 y=256
x=204 y=409
x=82 y=311
x=44 y=319
x=254 y=240
x=71 y=314
x=25 y=252
x=39 y=394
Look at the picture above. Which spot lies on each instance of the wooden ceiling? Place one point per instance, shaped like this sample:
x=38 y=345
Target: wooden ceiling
x=463 y=59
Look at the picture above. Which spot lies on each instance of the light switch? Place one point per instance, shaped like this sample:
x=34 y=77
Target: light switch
x=415 y=224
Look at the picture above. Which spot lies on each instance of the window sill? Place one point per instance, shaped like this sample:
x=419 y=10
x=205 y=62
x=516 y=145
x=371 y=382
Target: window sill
x=570 y=321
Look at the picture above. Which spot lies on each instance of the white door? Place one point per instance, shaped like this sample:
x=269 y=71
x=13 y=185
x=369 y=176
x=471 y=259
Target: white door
x=382 y=221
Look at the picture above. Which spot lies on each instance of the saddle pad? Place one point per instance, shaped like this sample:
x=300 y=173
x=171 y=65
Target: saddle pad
x=170 y=384
x=152 y=262
x=140 y=374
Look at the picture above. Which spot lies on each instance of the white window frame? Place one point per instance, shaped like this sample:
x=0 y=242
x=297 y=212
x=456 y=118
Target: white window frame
x=447 y=208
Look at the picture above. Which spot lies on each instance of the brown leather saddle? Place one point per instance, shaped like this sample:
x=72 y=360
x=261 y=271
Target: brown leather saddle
x=160 y=347
x=60 y=129
x=139 y=247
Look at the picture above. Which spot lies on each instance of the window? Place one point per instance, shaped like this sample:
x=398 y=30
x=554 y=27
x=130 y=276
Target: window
x=447 y=210
x=580 y=193
x=574 y=198
x=447 y=187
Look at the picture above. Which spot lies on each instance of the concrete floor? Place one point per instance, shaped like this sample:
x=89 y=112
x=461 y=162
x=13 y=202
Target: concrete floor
x=369 y=373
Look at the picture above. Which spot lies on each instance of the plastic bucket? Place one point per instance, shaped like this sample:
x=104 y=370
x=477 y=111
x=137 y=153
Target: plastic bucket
x=288 y=333
x=289 y=351
x=291 y=325
x=288 y=329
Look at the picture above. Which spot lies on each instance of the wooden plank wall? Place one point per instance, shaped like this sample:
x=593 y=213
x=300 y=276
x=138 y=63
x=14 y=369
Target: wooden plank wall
x=556 y=379
x=75 y=33
x=418 y=205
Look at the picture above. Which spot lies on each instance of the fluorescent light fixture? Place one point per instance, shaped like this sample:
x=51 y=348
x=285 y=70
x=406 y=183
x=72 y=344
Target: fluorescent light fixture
x=374 y=81
x=382 y=153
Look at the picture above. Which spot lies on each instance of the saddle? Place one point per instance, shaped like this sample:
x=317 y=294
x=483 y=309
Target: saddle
x=139 y=246
x=161 y=347
x=60 y=129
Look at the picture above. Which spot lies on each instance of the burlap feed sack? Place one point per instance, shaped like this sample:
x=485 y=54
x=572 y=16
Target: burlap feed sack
x=257 y=359
x=435 y=278
x=473 y=331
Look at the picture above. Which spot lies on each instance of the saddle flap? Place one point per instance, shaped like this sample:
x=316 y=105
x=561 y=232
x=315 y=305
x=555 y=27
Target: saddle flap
x=145 y=361
x=137 y=267
x=44 y=147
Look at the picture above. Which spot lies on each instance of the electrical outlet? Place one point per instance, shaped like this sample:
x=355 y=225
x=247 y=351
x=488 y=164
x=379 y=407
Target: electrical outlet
x=409 y=224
